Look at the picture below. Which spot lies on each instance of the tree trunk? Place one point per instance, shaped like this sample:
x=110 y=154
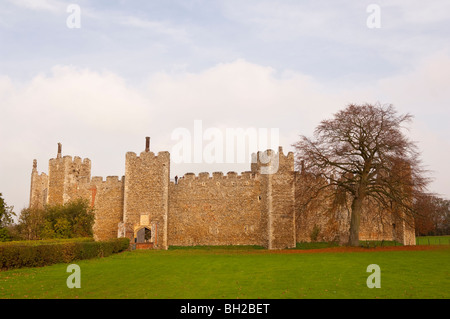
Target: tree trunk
x=355 y=220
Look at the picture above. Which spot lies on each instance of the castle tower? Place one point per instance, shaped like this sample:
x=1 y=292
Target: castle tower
x=146 y=197
x=402 y=222
x=278 y=196
x=64 y=176
x=38 y=189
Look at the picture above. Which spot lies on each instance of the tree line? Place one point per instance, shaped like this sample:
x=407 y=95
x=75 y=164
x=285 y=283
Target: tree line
x=433 y=215
x=71 y=220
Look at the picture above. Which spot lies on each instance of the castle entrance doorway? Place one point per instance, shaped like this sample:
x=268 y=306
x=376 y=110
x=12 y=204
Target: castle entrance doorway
x=143 y=235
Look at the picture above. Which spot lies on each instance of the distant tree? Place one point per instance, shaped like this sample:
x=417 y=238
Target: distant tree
x=6 y=219
x=433 y=215
x=363 y=153
x=443 y=220
x=30 y=223
x=424 y=223
x=73 y=219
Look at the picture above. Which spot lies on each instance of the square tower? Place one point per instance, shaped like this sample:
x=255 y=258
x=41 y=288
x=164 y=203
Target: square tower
x=146 y=196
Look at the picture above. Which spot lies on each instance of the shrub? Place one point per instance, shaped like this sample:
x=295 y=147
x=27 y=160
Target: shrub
x=4 y=234
x=21 y=255
x=314 y=233
x=73 y=219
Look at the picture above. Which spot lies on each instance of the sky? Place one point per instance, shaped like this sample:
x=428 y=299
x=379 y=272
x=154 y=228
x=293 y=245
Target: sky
x=100 y=76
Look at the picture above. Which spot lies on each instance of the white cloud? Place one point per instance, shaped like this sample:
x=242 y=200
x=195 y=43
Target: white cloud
x=91 y=113
x=423 y=89
x=100 y=116
x=71 y=96
x=415 y=12
x=409 y=30
x=40 y=5
x=159 y=27
x=237 y=93
x=284 y=20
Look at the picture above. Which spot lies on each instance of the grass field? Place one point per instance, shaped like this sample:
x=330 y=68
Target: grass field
x=242 y=272
x=433 y=240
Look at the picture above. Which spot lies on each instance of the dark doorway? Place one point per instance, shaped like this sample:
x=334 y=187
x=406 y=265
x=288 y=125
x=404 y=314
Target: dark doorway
x=144 y=235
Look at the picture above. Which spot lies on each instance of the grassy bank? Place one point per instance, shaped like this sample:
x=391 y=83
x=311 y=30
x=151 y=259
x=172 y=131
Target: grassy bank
x=433 y=240
x=245 y=272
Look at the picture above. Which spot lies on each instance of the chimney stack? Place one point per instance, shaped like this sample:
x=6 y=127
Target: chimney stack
x=147 y=144
x=59 y=150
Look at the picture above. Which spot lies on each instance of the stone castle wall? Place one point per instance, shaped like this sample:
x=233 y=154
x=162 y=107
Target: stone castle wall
x=327 y=217
x=106 y=196
x=216 y=210
x=261 y=207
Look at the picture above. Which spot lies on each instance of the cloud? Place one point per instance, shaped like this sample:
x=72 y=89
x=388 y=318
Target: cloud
x=282 y=19
x=53 y=6
x=422 y=87
x=101 y=116
x=238 y=93
x=337 y=31
x=158 y=27
x=77 y=97
x=414 y=12
x=91 y=113
x=98 y=115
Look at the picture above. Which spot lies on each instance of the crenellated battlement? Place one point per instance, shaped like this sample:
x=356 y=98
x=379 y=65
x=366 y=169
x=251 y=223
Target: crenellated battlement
x=148 y=156
x=110 y=180
x=271 y=162
x=41 y=175
x=218 y=176
x=256 y=157
x=217 y=179
x=67 y=159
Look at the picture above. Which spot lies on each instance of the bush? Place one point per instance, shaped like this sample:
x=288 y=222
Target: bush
x=71 y=220
x=315 y=245
x=378 y=243
x=314 y=233
x=4 y=234
x=53 y=241
x=21 y=255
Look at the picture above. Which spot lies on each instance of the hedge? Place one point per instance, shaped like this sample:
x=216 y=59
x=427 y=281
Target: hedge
x=22 y=255
x=38 y=242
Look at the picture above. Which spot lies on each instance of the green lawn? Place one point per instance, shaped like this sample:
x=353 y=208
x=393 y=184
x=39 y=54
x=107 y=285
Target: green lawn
x=433 y=240
x=246 y=272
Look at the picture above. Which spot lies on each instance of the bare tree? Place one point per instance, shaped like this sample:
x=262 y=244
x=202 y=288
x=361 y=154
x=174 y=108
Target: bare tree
x=434 y=215
x=364 y=152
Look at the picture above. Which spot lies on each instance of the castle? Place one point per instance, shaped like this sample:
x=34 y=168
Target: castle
x=257 y=207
